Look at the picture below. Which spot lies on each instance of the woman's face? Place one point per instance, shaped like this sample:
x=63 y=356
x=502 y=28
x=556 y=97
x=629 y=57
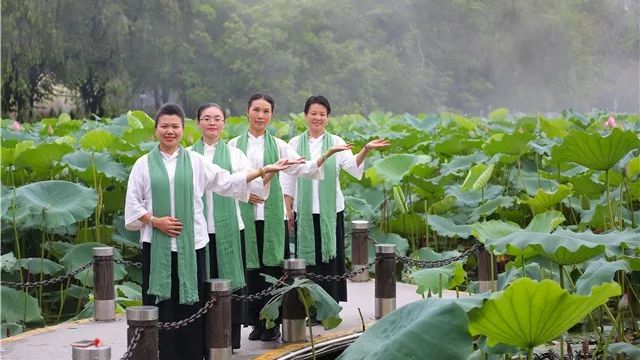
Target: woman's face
x=259 y=115
x=317 y=118
x=211 y=122
x=169 y=132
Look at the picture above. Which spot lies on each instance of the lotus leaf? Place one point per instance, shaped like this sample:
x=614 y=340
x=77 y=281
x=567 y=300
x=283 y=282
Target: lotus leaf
x=515 y=144
x=395 y=167
x=13 y=306
x=10 y=329
x=633 y=167
x=44 y=156
x=532 y=270
x=39 y=265
x=98 y=140
x=490 y=206
x=440 y=278
x=8 y=262
x=530 y=313
x=598 y=272
x=554 y=128
x=473 y=198
x=88 y=234
x=544 y=201
x=407 y=333
x=460 y=164
x=83 y=162
x=632 y=351
x=446 y=227
x=81 y=254
x=54 y=203
x=585 y=185
x=456 y=144
x=379 y=237
x=595 y=151
x=123 y=236
x=477 y=177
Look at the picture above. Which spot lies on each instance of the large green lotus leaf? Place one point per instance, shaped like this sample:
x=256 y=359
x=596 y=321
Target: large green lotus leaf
x=10 y=329
x=585 y=185
x=44 y=156
x=532 y=270
x=544 y=201
x=598 y=272
x=595 y=151
x=143 y=120
x=493 y=229
x=129 y=290
x=38 y=265
x=57 y=249
x=491 y=206
x=498 y=115
x=456 y=144
x=408 y=333
x=461 y=121
x=460 y=164
x=477 y=177
x=103 y=235
x=83 y=162
x=530 y=313
x=442 y=206
x=633 y=167
x=447 y=228
x=113 y=199
x=545 y=222
x=81 y=254
x=437 y=279
x=473 y=198
x=408 y=224
x=614 y=241
x=510 y=144
x=123 y=236
x=138 y=136
x=530 y=182
x=13 y=306
x=53 y=204
x=554 y=128
x=379 y=237
x=395 y=167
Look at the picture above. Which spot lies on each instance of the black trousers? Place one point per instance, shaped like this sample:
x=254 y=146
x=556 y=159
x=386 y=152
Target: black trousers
x=256 y=282
x=187 y=343
x=238 y=308
x=335 y=266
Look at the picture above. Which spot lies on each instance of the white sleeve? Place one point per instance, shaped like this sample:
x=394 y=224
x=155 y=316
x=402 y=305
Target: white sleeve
x=309 y=169
x=240 y=163
x=347 y=160
x=220 y=181
x=134 y=206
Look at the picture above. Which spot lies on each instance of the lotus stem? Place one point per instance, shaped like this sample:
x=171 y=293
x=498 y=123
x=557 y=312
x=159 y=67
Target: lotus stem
x=364 y=328
x=306 y=310
x=530 y=353
x=440 y=285
x=63 y=297
x=492 y=272
x=629 y=201
x=606 y=183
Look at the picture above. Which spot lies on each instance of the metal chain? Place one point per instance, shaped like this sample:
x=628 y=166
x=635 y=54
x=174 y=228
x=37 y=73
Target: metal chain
x=46 y=282
x=127 y=262
x=134 y=342
x=347 y=275
x=185 y=322
x=437 y=263
x=264 y=293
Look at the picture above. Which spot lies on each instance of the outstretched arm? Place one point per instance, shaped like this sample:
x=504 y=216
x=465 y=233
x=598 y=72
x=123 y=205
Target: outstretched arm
x=375 y=144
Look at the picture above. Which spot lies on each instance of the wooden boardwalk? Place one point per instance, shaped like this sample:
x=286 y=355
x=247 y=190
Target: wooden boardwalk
x=54 y=342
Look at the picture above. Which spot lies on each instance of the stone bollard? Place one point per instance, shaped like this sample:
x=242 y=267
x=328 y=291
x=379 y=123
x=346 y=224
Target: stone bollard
x=485 y=282
x=145 y=318
x=86 y=350
x=293 y=314
x=385 y=301
x=218 y=325
x=103 y=284
x=359 y=248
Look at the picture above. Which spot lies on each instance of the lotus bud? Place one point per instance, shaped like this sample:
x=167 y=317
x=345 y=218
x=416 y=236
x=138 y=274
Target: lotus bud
x=611 y=122
x=624 y=301
x=15 y=125
x=50 y=130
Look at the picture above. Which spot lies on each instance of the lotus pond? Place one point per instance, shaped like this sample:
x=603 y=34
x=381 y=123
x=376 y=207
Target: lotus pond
x=554 y=198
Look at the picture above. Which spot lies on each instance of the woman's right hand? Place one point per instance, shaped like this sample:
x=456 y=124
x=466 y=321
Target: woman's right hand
x=255 y=199
x=168 y=225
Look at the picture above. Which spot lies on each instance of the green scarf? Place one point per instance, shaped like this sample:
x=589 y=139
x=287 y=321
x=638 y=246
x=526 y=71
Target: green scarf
x=327 y=197
x=273 y=249
x=228 y=252
x=160 y=272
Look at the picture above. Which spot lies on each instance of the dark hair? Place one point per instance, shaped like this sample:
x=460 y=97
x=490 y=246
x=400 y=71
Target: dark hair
x=264 y=97
x=170 y=109
x=204 y=107
x=317 y=99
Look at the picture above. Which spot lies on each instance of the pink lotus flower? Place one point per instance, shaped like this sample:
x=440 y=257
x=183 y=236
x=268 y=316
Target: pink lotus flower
x=611 y=122
x=15 y=125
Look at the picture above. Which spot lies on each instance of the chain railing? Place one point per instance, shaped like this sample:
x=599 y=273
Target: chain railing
x=127 y=262
x=437 y=263
x=30 y=284
x=261 y=294
x=347 y=275
x=134 y=342
x=187 y=321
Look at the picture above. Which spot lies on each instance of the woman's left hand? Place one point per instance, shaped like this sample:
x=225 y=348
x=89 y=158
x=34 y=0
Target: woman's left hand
x=377 y=144
x=282 y=164
x=337 y=148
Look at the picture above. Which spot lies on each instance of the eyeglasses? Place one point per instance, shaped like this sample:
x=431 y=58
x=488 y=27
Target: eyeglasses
x=214 y=119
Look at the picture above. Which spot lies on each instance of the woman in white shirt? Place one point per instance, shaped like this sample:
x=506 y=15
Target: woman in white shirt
x=164 y=202
x=319 y=205
x=266 y=243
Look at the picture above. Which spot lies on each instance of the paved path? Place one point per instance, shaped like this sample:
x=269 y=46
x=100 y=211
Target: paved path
x=54 y=342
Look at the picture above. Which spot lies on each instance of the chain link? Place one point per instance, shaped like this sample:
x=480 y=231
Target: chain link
x=127 y=262
x=347 y=275
x=134 y=342
x=185 y=322
x=264 y=293
x=46 y=282
x=437 y=263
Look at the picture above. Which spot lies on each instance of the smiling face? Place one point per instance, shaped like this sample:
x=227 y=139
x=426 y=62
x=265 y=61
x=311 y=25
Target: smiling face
x=169 y=132
x=259 y=115
x=211 y=124
x=317 y=118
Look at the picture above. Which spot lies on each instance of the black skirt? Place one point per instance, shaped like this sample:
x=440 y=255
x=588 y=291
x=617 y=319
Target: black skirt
x=187 y=343
x=238 y=308
x=335 y=266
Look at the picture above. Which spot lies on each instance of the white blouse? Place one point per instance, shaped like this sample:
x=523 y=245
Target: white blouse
x=239 y=162
x=345 y=160
x=255 y=153
x=206 y=177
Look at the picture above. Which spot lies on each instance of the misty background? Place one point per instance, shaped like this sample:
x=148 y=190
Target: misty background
x=105 y=57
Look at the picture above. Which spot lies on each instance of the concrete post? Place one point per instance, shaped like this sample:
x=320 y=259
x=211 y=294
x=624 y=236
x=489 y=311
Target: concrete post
x=145 y=317
x=86 y=350
x=293 y=314
x=385 y=301
x=218 y=324
x=359 y=248
x=103 y=284
x=485 y=262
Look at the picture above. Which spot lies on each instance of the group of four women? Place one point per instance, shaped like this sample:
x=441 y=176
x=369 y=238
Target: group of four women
x=182 y=200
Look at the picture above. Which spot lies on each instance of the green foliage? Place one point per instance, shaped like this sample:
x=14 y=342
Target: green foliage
x=19 y=306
